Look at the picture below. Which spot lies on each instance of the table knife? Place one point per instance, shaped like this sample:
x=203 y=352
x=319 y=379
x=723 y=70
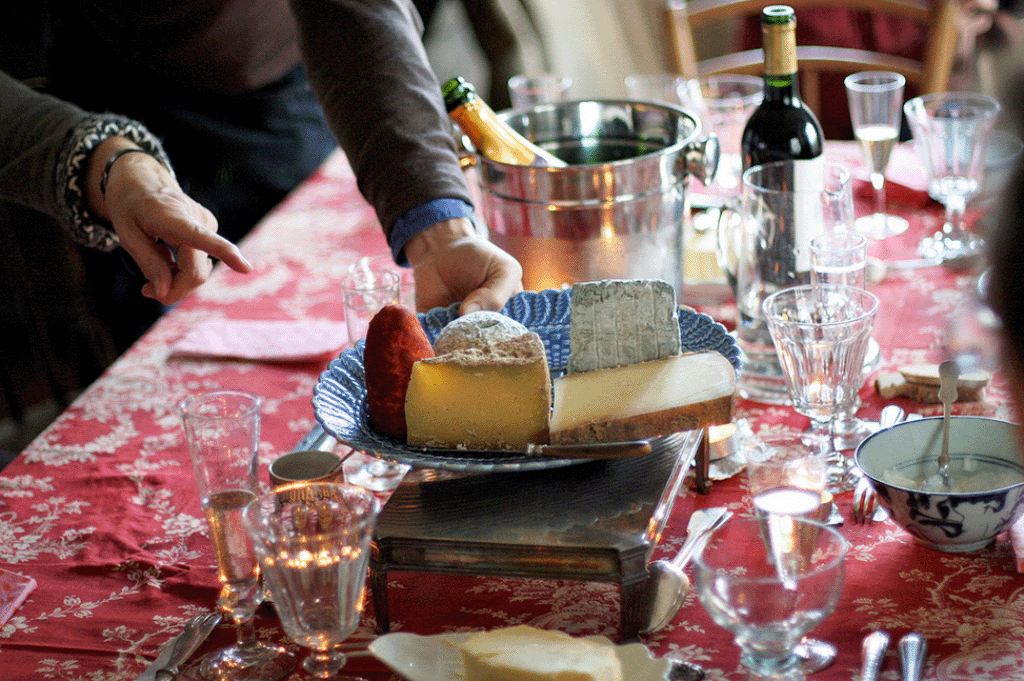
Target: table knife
x=181 y=647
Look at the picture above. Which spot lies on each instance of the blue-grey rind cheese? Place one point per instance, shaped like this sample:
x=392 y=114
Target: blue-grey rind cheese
x=617 y=322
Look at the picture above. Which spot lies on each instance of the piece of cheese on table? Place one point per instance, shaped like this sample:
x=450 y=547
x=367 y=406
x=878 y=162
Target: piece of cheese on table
x=640 y=401
x=616 y=322
x=477 y=330
x=495 y=397
x=525 y=653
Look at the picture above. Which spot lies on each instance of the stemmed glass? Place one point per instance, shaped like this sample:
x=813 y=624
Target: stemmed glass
x=770 y=582
x=821 y=334
x=223 y=434
x=875 y=99
x=313 y=540
x=950 y=133
x=841 y=258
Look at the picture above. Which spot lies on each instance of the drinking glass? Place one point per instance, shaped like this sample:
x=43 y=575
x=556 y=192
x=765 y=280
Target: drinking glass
x=786 y=474
x=770 y=586
x=223 y=433
x=841 y=258
x=529 y=90
x=875 y=99
x=821 y=334
x=371 y=284
x=660 y=88
x=724 y=103
x=313 y=541
x=764 y=246
x=950 y=133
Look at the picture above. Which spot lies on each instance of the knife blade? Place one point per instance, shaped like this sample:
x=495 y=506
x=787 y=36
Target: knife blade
x=181 y=647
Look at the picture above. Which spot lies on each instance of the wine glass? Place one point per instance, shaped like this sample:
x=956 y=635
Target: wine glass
x=821 y=334
x=223 y=433
x=786 y=474
x=770 y=581
x=950 y=133
x=875 y=99
x=313 y=541
x=841 y=258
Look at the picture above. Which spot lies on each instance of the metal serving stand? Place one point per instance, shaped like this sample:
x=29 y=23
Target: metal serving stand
x=595 y=521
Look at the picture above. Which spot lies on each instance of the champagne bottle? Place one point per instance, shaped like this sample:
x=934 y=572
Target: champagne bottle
x=782 y=128
x=490 y=136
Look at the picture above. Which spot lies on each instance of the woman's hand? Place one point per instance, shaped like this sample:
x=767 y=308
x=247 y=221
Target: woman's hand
x=169 y=235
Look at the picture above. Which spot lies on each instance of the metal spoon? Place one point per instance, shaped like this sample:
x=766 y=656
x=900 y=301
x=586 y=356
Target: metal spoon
x=667 y=583
x=948 y=375
x=872 y=654
x=913 y=650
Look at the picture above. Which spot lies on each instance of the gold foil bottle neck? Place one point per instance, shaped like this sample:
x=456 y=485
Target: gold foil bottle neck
x=779 y=31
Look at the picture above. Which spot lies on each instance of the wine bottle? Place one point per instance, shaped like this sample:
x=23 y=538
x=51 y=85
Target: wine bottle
x=782 y=128
x=490 y=136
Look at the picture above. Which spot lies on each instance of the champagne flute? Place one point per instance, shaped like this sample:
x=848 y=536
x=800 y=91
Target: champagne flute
x=875 y=98
x=223 y=432
x=950 y=134
x=821 y=334
x=313 y=541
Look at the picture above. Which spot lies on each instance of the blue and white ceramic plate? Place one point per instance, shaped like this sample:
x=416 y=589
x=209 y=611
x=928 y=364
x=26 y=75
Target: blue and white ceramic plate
x=339 y=397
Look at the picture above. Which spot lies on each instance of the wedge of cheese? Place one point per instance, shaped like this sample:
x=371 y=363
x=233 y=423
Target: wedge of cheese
x=640 y=401
x=615 y=322
x=525 y=653
x=492 y=397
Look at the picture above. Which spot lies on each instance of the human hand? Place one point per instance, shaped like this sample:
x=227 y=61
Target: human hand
x=452 y=263
x=169 y=235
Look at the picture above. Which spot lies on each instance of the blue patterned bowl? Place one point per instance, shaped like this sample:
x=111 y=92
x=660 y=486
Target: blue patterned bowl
x=339 y=397
x=897 y=459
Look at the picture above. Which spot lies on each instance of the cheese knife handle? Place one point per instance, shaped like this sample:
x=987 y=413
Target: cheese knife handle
x=913 y=650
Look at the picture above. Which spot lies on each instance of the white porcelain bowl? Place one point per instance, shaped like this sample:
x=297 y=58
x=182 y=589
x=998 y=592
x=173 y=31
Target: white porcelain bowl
x=897 y=459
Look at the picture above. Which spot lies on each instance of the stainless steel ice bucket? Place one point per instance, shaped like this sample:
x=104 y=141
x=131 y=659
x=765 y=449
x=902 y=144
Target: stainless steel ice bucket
x=617 y=211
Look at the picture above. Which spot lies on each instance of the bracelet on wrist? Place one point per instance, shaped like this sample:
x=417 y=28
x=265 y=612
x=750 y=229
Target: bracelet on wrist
x=110 y=164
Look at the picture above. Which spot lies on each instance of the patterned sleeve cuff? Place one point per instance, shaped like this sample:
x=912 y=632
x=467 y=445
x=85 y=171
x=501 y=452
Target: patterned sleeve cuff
x=86 y=227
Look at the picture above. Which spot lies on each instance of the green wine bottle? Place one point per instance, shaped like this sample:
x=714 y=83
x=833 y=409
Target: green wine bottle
x=782 y=128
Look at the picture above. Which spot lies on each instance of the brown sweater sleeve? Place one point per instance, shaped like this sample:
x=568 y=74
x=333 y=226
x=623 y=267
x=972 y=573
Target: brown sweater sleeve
x=368 y=67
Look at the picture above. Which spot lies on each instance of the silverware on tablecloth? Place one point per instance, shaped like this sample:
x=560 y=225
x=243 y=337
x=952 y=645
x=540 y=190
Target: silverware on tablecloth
x=872 y=655
x=180 y=648
x=913 y=650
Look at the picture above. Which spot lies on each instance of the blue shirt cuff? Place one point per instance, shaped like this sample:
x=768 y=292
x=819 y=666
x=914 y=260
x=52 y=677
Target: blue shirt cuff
x=418 y=218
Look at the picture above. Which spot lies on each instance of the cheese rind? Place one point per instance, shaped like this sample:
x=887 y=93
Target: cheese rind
x=477 y=330
x=497 y=397
x=524 y=653
x=640 y=401
x=617 y=322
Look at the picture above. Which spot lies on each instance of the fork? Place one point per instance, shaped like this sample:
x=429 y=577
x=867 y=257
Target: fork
x=865 y=501
x=193 y=634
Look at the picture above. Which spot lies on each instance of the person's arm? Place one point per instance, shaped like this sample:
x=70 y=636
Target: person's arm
x=52 y=155
x=368 y=67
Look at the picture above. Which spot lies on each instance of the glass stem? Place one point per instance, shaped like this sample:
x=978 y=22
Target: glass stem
x=246 y=633
x=955 y=207
x=878 y=183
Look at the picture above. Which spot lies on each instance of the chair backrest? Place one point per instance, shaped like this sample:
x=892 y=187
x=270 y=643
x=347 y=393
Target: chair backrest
x=929 y=74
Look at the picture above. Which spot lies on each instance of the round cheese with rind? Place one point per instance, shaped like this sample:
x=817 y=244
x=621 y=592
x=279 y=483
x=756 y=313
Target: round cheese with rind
x=477 y=330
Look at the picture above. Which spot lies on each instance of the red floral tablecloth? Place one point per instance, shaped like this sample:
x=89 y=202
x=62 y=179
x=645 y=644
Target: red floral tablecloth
x=101 y=510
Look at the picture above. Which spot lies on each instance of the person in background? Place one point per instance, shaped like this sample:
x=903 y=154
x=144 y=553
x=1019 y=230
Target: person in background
x=1004 y=292
x=223 y=84
x=107 y=179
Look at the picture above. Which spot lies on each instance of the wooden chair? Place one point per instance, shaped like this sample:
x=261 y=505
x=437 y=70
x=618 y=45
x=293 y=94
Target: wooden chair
x=931 y=74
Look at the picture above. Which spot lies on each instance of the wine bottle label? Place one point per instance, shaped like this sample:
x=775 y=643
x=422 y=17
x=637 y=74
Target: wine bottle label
x=808 y=211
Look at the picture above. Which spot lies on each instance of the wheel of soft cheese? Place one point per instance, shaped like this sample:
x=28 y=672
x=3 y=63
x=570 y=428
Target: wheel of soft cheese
x=477 y=330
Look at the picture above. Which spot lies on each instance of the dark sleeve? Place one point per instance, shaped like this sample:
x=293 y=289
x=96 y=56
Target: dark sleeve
x=368 y=67
x=44 y=145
